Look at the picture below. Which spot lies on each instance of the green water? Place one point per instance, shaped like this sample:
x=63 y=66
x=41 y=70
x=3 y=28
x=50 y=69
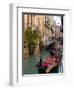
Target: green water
x=29 y=65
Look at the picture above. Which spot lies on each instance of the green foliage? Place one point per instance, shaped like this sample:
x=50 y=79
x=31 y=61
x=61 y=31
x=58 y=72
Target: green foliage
x=31 y=37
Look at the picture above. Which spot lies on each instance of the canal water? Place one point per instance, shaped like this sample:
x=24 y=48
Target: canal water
x=29 y=64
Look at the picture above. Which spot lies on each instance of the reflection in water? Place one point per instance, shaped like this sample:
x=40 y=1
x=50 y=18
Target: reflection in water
x=29 y=64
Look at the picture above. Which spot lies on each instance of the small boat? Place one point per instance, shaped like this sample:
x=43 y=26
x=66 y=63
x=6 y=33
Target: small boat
x=48 y=64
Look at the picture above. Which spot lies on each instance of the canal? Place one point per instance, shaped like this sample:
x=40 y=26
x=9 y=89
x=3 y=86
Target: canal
x=29 y=64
